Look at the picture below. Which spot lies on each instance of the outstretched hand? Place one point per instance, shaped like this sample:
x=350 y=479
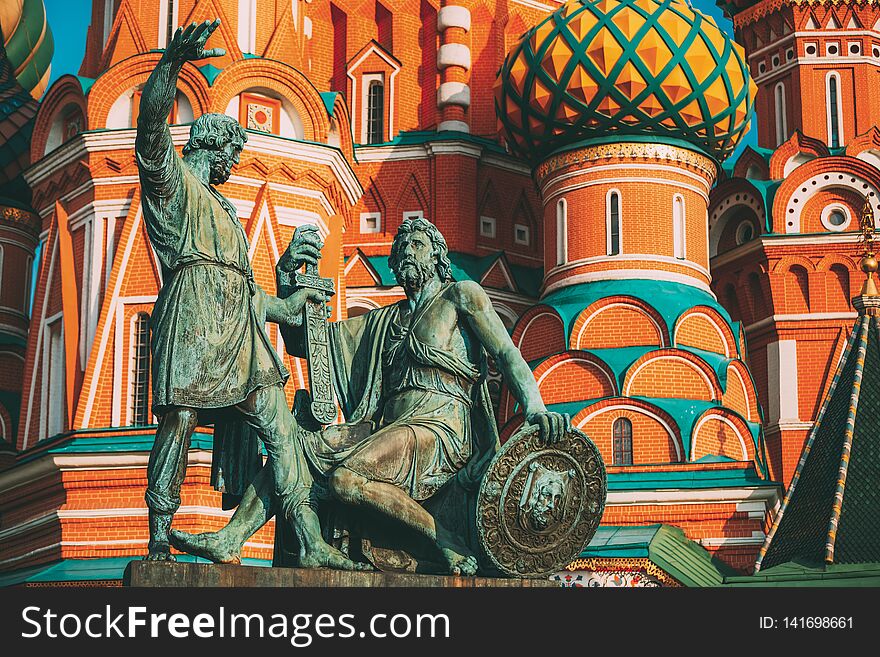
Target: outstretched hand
x=189 y=44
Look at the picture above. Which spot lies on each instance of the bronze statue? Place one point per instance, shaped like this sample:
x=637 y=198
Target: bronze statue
x=212 y=359
x=410 y=379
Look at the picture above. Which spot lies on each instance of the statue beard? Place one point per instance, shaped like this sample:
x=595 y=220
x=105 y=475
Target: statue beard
x=413 y=275
x=221 y=169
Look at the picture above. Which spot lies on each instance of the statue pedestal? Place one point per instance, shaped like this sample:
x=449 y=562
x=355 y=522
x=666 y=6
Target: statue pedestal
x=159 y=574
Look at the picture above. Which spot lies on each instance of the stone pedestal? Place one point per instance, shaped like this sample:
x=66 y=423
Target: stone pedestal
x=158 y=574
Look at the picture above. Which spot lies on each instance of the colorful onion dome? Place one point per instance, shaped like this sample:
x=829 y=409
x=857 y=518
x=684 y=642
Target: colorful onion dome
x=602 y=68
x=28 y=42
x=18 y=112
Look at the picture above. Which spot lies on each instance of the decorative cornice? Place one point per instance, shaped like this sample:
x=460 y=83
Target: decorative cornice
x=641 y=565
x=626 y=150
x=24 y=220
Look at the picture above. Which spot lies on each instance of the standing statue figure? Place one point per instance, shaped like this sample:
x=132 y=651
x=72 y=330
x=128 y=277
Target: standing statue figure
x=410 y=379
x=212 y=359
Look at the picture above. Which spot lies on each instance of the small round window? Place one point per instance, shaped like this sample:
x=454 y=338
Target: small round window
x=745 y=232
x=836 y=218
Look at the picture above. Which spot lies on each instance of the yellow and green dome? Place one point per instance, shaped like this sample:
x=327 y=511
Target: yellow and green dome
x=653 y=68
x=28 y=41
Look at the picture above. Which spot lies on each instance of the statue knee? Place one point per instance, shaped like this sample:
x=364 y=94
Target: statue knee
x=345 y=485
x=180 y=421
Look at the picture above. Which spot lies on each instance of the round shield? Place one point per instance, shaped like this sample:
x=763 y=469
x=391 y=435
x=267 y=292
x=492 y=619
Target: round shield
x=539 y=505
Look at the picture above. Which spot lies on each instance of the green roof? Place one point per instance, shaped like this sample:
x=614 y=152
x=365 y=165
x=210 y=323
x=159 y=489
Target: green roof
x=90 y=570
x=669 y=299
x=419 y=137
x=665 y=546
x=811 y=575
x=832 y=510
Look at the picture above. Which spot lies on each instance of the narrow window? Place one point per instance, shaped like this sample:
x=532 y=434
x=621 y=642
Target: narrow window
x=833 y=103
x=54 y=377
x=247 y=25
x=375 y=112
x=781 y=120
x=622 y=434
x=140 y=370
x=561 y=231
x=613 y=220
x=679 y=235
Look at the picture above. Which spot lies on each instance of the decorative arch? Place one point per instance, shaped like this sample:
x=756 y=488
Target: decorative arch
x=615 y=308
x=656 y=435
x=66 y=91
x=575 y=376
x=279 y=78
x=796 y=150
x=719 y=432
x=356 y=306
x=701 y=319
x=818 y=175
x=342 y=120
x=751 y=165
x=672 y=373
x=730 y=201
x=539 y=332
x=133 y=72
x=740 y=394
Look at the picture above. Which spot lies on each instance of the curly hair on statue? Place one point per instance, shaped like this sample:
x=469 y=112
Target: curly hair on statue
x=213 y=132
x=438 y=243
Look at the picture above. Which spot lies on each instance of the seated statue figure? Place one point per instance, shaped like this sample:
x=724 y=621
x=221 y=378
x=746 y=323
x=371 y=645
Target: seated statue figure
x=410 y=379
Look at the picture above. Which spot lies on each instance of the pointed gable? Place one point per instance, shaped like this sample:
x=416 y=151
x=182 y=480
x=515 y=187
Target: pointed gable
x=498 y=276
x=223 y=37
x=359 y=272
x=126 y=38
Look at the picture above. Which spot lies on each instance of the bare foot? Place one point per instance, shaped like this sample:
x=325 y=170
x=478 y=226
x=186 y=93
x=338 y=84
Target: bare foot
x=208 y=546
x=159 y=552
x=325 y=556
x=458 y=558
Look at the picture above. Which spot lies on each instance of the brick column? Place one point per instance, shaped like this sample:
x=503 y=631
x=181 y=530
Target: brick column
x=454 y=62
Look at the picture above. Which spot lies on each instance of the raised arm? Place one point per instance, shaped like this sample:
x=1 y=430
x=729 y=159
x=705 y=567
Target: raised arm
x=157 y=98
x=473 y=303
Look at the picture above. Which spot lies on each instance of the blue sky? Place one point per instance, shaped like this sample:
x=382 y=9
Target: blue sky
x=70 y=20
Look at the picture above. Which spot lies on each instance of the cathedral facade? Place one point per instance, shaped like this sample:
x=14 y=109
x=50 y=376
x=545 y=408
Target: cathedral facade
x=687 y=309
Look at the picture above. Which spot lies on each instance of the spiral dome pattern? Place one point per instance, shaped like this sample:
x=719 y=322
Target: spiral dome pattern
x=602 y=68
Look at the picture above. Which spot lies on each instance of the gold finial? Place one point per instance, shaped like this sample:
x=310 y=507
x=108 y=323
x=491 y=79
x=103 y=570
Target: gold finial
x=869 y=261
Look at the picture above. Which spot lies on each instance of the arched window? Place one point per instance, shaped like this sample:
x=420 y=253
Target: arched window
x=612 y=220
x=679 y=234
x=561 y=231
x=139 y=374
x=833 y=109
x=622 y=442
x=838 y=288
x=375 y=112
x=798 y=290
x=781 y=119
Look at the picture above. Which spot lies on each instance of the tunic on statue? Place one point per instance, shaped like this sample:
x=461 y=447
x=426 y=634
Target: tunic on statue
x=388 y=380
x=207 y=352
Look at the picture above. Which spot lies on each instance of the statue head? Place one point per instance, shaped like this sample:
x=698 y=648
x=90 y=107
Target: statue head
x=544 y=497
x=221 y=138
x=418 y=253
